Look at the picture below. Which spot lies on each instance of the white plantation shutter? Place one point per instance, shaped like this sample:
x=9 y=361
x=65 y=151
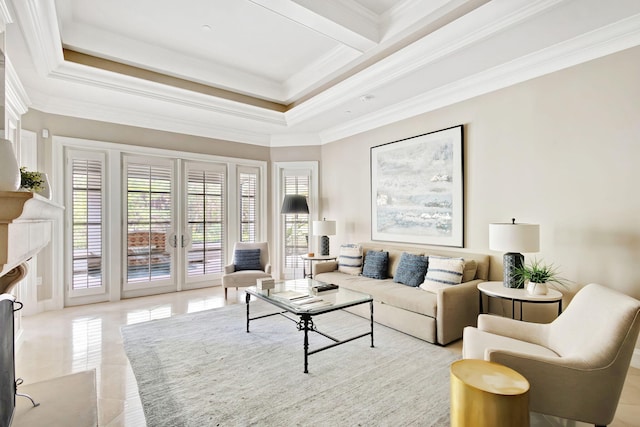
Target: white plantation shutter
x=149 y=219
x=86 y=221
x=296 y=226
x=206 y=220
x=146 y=221
x=248 y=189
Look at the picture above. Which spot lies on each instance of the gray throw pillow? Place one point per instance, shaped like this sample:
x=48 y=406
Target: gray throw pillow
x=411 y=269
x=247 y=259
x=376 y=264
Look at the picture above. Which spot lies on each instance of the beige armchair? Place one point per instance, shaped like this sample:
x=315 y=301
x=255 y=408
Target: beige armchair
x=233 y=278
x=577 y=364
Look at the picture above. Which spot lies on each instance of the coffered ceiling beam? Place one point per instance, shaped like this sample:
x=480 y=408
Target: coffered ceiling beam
x=342 y=21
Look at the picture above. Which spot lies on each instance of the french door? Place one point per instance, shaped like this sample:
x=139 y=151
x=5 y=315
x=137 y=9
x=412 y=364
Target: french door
x=175 y=224
x=149 y=236
x=143 y=221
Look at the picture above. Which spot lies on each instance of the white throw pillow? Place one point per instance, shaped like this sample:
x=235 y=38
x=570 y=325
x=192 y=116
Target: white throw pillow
x=350 y=259
x=443 y=272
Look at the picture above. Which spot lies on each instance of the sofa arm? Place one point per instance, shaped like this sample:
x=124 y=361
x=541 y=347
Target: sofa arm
x=228 y=269
x=458 y=306
x=267 y=268
x=324 y=267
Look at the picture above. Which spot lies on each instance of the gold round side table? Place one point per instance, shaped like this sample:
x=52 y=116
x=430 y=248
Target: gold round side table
x=488 y=394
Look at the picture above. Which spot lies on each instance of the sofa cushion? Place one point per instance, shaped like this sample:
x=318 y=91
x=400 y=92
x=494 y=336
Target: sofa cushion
x=407 y=298
x=350 y=259
x=386 y=292
x=470 y=268
x=247 y=259
x=411 y=270
x=443 y=272
x=376 y=264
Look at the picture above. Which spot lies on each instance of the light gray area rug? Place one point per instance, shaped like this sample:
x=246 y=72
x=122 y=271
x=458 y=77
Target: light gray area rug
x=203 y=369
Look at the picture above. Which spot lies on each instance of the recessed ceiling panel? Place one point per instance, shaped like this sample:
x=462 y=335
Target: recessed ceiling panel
x=237 y=34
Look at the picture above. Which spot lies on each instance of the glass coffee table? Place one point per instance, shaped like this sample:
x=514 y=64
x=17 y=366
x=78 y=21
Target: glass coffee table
x=298 y=303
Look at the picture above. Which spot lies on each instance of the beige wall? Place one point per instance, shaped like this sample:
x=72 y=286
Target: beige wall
x=110 y=132
x=561 y=151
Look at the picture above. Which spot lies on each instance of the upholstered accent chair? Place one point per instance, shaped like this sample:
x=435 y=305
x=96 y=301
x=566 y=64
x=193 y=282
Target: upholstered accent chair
x=246 y=268
x=577 y=364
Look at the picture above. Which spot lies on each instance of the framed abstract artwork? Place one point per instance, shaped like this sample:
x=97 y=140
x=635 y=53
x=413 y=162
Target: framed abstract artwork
x=417 y=190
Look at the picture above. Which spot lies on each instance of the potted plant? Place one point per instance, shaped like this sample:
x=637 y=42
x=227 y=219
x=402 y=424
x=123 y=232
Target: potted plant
x=36 y=182
x=537 y=275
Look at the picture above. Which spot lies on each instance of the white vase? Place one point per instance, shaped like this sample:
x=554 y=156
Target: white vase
x=537 y=288
x=46 y=187
x=9 y=170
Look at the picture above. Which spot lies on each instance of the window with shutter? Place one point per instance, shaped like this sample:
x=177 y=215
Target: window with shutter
x=141 y=221
x=206 y=220
x=248 y=191
x=296 y=226
x=86 y=221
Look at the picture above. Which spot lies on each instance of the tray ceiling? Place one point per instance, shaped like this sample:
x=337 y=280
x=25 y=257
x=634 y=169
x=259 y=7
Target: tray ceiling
x=294 y=72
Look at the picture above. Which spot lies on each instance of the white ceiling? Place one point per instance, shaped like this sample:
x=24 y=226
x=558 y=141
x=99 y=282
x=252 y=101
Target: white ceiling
x=309 y=71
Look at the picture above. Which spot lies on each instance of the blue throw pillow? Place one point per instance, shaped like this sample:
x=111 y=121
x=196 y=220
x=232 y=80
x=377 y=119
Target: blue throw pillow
x=411 y=269
x=247 y=259
x=376 y=264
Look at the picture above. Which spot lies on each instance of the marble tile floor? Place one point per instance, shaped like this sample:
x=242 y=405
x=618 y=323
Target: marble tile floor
x=87 y=337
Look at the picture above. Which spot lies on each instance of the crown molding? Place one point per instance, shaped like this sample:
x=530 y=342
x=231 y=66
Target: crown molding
x=604 y=41
x=184 y=111
x=41 y=33
x=37 y=20
x=319 y=71
x=169 y=123
x=98 y=78
x=295 y=140
x=330 y=18
x=17 y=98
x=5 y=16
x=406 y=13
x=173 y=63
x=420 y=54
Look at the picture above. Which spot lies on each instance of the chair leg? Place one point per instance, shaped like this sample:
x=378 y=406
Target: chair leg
x=225 y=293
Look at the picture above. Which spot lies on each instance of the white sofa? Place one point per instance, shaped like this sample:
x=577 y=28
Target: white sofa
x=436 y=316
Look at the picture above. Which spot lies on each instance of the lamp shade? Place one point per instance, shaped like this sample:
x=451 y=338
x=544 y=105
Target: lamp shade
x=294 y=204
x=514 y=237
x=324 y=228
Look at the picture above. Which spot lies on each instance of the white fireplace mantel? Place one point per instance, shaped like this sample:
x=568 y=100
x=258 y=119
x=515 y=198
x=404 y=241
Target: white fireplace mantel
x=25 y=229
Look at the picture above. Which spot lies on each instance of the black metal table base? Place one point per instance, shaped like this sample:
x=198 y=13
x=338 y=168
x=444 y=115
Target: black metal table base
x=305 y=323
x=513 y=304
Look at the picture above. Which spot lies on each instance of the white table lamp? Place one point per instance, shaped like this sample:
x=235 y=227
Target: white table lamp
x=513 y=238
x=324 y=229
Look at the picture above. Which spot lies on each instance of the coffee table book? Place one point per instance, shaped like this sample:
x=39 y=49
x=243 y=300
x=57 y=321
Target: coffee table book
x=324 y=288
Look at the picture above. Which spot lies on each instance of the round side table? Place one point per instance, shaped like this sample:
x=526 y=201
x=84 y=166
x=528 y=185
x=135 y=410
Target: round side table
x=311 y=259
x=488 y=394
x=498 y=290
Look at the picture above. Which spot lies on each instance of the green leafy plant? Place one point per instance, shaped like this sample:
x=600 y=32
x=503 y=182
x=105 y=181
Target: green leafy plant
x=31 y=181
x=539 y=272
